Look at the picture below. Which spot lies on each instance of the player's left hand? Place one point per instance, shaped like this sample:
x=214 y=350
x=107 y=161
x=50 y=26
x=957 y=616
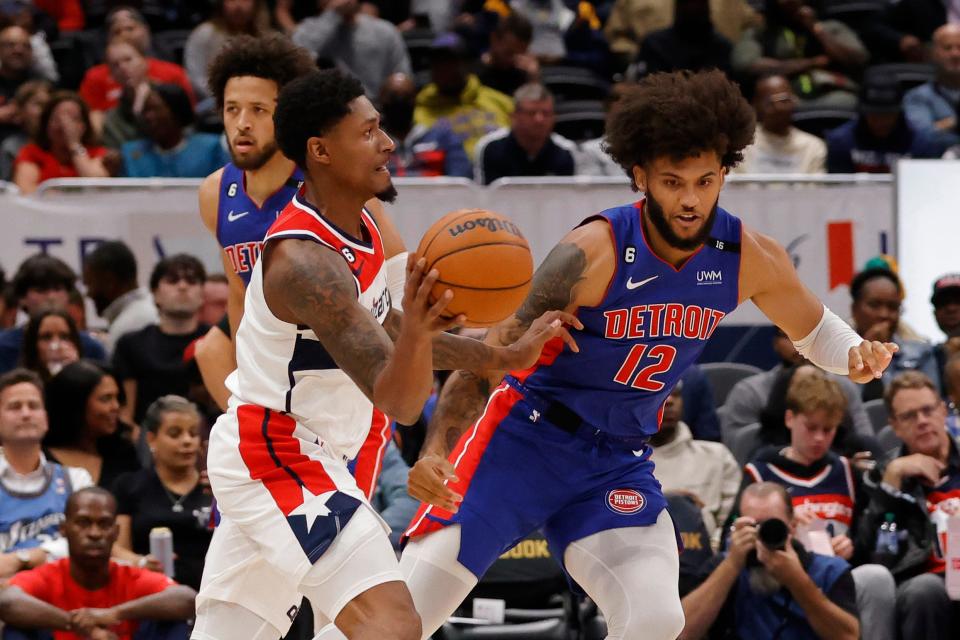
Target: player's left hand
x=870 y=359
x=428 y=480
x=526 y=350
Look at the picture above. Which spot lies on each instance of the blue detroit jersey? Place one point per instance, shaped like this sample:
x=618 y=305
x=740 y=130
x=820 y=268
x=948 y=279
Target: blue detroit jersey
x=651 y=326
x=241 y=224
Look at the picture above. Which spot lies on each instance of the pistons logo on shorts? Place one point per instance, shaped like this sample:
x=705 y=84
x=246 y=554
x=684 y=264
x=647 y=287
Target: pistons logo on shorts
x=625 y=501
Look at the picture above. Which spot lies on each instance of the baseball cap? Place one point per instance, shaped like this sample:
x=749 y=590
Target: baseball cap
x=880 y=93
x=946 y=286
x=449 y=42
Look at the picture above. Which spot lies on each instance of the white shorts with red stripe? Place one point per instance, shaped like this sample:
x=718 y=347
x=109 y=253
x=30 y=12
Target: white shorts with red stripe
x=292 y=518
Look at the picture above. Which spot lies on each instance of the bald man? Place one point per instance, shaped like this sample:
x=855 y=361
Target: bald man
x=932 y=107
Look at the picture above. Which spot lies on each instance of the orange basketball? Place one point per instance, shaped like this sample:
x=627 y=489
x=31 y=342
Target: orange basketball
x=484 y=259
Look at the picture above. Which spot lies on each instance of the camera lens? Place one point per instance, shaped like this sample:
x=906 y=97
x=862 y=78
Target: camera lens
x=773 y=534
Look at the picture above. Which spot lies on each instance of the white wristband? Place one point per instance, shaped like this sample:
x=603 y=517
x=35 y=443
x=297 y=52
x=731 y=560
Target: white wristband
x=828 y=345
x=396 y=272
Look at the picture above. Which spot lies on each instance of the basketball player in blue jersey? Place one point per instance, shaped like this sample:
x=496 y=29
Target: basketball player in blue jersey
x=563 y=446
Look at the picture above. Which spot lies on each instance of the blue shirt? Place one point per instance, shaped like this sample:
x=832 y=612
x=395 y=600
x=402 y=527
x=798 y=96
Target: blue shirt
x=197 y=156
x=426 y=152
x=925 y=105
x=851 y=148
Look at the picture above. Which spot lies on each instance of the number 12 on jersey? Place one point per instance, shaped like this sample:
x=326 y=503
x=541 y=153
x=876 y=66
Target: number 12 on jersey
x=656 y=360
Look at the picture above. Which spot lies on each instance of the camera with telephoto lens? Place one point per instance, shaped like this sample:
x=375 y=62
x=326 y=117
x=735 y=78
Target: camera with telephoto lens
x=773 y=534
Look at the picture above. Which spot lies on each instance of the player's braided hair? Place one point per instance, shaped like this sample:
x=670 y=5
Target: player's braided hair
x=680 y=115
x=272 y=57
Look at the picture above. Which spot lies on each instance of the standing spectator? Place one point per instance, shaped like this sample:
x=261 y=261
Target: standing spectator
x=230 y=18
x=932 y=107
x=16 y=68
x=31 y=97
x=51 y=341
x=33 y=491
x=66 y=146
x=946 y=310
x=171 y=149
x=419 y=150
x=690 y=42
x=149 y=363
x=215 y=294
x=779 y=147
x=110 y=276
x=170 y=493
x=367 y=47
x=881 y=135
x=529 y=147
x=508 y=64
x=89 y=596
x=456 y=96
x=84 y=406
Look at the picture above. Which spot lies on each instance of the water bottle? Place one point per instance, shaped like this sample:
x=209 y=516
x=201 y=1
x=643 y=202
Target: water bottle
x=888 y=542
x=161 y=548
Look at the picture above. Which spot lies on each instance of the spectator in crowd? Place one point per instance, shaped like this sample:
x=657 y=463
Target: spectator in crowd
x=877 y=299
x=592 y=158
x=817 y=56
x=779 y=147
x=230 y=18
x=150 y=363
x=51 y=341
x=419 y=150
x=16 y=68
x=40 y=28
x=30 y=99
x=67 y=13
x=690 y=42
x=391 y=499
x=170 y=493
x=881 y=135
x=66 y=146
x=41 y=282
x=904 y=29
x=215 y=293
x=932 y=107
x=33 y=491
x=456 y=96
x=759 y=592
x=529 y=147
x=100 y=90
x=946 y=311
x=706 y=471
x=918 y=489
x=951 y=383
x=89 y=596
x=83 y=402
x=110 y=276
x=563 y=34
x=368 y=47
x=171 y=149
x=129 y=67
x=508 y=64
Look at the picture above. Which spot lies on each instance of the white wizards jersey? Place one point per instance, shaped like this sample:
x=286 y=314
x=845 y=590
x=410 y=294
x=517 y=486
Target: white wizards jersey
x=283 y=366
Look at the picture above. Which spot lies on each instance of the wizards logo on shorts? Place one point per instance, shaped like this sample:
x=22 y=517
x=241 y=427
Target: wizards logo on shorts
x=625 y=501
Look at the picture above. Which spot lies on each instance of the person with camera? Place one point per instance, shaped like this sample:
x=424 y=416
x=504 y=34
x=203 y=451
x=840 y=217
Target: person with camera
x=767 y=585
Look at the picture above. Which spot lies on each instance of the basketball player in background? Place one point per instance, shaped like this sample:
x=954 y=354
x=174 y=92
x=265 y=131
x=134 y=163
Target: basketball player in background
x=563 y=445
x=318 y=346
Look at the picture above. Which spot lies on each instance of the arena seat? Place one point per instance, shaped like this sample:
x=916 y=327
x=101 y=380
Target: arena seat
x=724 y=375
x=418 y=42
x=819 y=121
x=889 y=442
x=580 y=120
x=908 y=75
x=744 y=442
x=877 y=412
x=574 y=83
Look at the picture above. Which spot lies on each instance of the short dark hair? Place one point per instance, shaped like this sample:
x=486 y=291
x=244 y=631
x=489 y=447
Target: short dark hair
x=861 y=279
x=679 y=115
x=310 y=106
x=272 y=57
x=517 y=24
x=89 y=137
x=177 y=100
x=124 y=8
x=113 y=257
x=88 y=491
x=178 y=264
x=42 y=271
x=19 y=376
x=29 y=351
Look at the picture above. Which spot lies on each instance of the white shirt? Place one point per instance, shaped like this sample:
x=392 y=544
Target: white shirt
x=796 y=152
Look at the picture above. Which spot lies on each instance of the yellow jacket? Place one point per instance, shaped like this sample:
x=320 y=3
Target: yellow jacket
x=478 y=111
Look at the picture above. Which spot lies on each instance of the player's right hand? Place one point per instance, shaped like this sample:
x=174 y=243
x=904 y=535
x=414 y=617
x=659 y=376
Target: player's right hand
x=428 y=479
x=418 y=312
x=525 y=352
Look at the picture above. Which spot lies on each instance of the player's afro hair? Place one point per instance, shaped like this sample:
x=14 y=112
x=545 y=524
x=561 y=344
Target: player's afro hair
x=310 y=106
x=680 y=115
x=272 y=57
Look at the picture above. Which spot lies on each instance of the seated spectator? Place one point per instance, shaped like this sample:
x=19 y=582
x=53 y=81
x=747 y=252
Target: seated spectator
x=689 y=43
x=42 y=282
x=946 y=311
x=368 y=47
x=110 y=277
x=66 y=146
x=171 y=149
x=932 y=107
x=31 y=97
x=419 y=150
x=877 y=299
x=41 y=30
x=129 y=68
x=170 y=493
x=564 y=34
x=391 y=499
x=880 y=135
x=89 y=596
x=83 y=402
x=918 y=490
x=507 y=65
x=150 y=363
x=904 y=29
x=16 y=68
x=706 y=471
x=230 y=18
x=761 y=592
x=34 y=491
x=817 y=56
x=592 y=158
x=779 y=147
x=215 y=293
x=457 y=97
x=529 y=147
x=51 y=341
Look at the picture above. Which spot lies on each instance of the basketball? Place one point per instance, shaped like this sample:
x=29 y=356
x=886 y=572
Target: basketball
x=483 y=259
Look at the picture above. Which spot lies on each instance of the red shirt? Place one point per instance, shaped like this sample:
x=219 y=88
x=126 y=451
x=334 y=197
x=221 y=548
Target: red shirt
x=50 y=167
x=101 y=92
x=53 y=584
x=68 y=13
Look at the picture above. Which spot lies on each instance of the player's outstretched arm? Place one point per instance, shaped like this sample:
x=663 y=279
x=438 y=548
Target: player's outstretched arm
x=768 y=277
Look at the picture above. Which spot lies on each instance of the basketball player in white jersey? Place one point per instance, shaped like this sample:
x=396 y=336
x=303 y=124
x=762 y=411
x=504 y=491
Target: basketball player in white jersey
x=319 y=345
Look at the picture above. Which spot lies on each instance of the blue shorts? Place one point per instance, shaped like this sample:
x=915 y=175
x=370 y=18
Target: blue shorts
x=518 y=473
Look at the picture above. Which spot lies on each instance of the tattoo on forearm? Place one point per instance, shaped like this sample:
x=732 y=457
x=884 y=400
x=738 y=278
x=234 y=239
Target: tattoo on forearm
x=460 y=404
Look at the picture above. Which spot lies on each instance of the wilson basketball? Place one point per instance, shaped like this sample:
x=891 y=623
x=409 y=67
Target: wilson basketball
x=483 y=259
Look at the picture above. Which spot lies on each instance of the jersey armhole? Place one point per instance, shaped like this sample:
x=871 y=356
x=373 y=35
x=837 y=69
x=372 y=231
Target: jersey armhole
x=223 y=174
x=616 y=257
